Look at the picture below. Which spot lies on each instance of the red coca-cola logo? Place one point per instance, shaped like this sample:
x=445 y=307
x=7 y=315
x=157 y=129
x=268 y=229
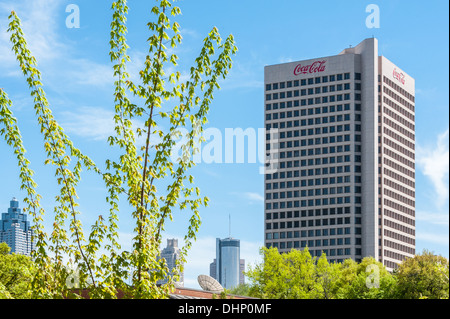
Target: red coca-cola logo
x=398 y=76
x=317 y=66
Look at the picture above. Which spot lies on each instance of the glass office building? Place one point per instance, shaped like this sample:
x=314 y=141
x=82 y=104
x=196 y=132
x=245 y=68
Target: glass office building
x=226 y=268
x=15 y=230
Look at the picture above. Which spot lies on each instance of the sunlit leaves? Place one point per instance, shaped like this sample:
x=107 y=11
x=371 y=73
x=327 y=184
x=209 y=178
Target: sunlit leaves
x=153 y=184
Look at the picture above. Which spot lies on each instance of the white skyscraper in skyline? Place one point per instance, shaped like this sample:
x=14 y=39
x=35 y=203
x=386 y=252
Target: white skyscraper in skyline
x=345 y=182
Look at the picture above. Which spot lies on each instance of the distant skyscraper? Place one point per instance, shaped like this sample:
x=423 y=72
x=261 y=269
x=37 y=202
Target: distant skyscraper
x=227 y=268
x=171 y=253
x=15 y=230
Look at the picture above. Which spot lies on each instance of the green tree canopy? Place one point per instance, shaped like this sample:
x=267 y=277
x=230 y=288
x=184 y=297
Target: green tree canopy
x=424 y=276
x=283 y=276
x=16 y=272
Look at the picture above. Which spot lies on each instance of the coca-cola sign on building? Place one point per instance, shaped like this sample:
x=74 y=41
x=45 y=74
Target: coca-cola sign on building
x=317 y=66
x=399 y=76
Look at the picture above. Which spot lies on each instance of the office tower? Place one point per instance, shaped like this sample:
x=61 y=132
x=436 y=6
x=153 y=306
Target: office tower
x=213 y=268
x=344 y=183
x=15 y=230
x=171 y=254
x=227 y=268
x=241 y=271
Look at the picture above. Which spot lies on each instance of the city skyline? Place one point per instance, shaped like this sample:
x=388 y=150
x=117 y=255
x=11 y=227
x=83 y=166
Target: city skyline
x=76 y=60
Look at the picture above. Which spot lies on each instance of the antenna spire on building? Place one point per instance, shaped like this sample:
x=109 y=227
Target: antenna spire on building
x=229 y=225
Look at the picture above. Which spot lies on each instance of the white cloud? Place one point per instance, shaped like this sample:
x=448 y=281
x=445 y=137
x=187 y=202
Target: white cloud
x=86 y=72
x=284 y=59
x=97 y=124
x=441 y=239
x=254 y=196
x=243 y=75
x=433 y=161
x=89 y=122
x=433 y=218
x=39 y=24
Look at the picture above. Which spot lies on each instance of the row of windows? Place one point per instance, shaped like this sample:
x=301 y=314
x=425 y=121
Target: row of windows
x=317 y=253
x=390 y=264
x=312 y=141
x=397 y=246
x=313 y=223
x=310 y=233
x=398 y=89
x=399 y=167
x=320 y=242
x=398 y=236
x=313 y=91
x=320 y=130
x=399 y=197
x=311 y=182
x=399 y=217
x=399 y=187
x=399 y=138
x=399 y=207
x=399 y=177
x=310 y=121
x=311 y=81
x=317 y=100
x=398 y=108
x=310 y=172
x=398 y=99
x=394 y=255
x=318 y=161
x=309 y=162
x=312 y=212
x=315 y=162
x=317 y=150
x=398 y=118
x=311 y=111
x=313 y=202
x=399 y=148
x=398 y=128
x=398 y=157
x=312 y=192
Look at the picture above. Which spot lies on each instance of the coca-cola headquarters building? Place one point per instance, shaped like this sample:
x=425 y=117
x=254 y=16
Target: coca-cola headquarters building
x=341 y=173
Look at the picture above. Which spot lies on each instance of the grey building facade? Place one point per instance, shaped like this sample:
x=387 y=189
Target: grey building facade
x=171 y=253
x=344 y=182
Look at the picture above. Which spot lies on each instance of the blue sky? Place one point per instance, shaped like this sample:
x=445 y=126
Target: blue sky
x=78 y=80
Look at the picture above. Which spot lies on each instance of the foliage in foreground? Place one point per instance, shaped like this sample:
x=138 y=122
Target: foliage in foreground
x=293 y=275
x=146 y=178
x=16 y=272
x=298 y=275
